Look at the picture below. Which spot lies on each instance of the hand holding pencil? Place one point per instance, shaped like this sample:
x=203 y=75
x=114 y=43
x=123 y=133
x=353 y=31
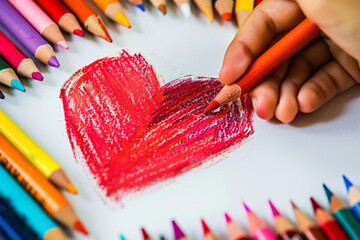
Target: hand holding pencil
x=316 y=74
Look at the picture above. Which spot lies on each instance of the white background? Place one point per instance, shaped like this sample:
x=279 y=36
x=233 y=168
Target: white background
x=280 y=161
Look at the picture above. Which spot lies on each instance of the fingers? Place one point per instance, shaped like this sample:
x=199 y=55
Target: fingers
x=327 y=82
x=267 y=20
x=264 y=97
x=301 y=68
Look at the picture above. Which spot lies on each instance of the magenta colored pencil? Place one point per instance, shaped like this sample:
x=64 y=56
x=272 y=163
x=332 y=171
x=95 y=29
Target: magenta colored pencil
x=26 y=34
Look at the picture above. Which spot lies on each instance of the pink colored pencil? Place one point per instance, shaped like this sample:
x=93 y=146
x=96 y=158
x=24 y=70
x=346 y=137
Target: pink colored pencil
x=40 y=21
x=258 y=228
x=235 y=232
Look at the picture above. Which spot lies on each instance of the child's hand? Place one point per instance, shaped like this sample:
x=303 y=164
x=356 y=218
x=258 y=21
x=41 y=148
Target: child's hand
x=313 y=76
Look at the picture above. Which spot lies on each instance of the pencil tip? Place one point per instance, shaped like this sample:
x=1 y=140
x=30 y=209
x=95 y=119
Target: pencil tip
x=79 y=32
x=145 y=234
x=178 y=233
x=53 y=62
x=293 y=205
x=162 y=8
x=347 y=182
x=81 y=228
x=247 y=209
x=314 y=204
x=226 y=16
x=205 y=227
x=2 y=96
x=71 y=188
x=209 y=13
x=63 y=44
x=274 y=211
x=122 y=19
x=17 y=85
x=37 y=76
x=212 y=106
x=227 y=218
x=185 y=8
x=141 y=7
x=122 y=237
x=327 y=192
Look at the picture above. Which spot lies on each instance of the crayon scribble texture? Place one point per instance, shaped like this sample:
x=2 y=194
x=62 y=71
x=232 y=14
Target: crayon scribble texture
x=132 y=133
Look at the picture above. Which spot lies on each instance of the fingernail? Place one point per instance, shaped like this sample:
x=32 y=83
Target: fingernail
x=254 y=103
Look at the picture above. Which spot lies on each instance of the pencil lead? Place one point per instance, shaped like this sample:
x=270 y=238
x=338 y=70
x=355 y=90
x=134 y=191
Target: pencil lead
x=327 y=192
x=205 y=227
x=17 y=85
x=178 y=233
x=141 y=7
x=226 y=16
x=63 y=44
x=81 y=228
x=293 y=205
x=247 y=209
x=315 y=204
x=162 y=8
x=79 y=32
x=53 y=62
x=37 y=76
x=122 y=237
x=145 y=234
x=71 y=188
x=212 y=106
x=347 y=182
x=227 y=218
x=274 y=211
x=2 y=96
x=185 y=8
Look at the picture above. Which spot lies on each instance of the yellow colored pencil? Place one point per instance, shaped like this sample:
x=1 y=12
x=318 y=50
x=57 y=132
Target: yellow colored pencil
x=114 y=10
x=34 y=153
x=243 y=9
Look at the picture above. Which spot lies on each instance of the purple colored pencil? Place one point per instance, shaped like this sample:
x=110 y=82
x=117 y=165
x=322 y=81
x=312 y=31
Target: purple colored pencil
x=26 y=34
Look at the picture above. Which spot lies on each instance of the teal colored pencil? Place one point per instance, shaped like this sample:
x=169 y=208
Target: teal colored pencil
x=343 y=215
x=27 y=208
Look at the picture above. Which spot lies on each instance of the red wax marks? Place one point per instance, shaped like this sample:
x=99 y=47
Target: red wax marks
x=132 y=133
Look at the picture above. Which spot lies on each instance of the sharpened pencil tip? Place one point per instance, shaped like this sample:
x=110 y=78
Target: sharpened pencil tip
x=314 y=204
x=205 y=227
x=293 y=205
x=162 y=8
x=37 y=76
x=79 y=32
x=145 y=234
x=2 y=96
x=327 y=192
x=212 y=106
x=71 y=188
x=63 y=44
x=17 y=85
x=247 y=209
x=226 y=16
x=53 y=62
x=81 y=228
x=347 y=182
x=274 y=211
x=227 y=218
x=141 y=7
x=178 y=233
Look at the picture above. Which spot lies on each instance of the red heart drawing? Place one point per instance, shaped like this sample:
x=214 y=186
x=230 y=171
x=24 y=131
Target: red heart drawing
x=132 y=133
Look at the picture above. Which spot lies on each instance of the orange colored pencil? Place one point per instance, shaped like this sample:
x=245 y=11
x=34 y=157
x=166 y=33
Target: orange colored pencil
x=289 y=45
x=89 y=18
x=114 y=10
x=224 y=8
x=50 y=198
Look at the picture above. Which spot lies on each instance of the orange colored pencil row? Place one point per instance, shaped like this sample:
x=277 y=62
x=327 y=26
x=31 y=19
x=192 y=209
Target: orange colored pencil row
x=341 y=222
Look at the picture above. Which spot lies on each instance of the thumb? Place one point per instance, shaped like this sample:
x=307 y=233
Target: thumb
x=338 y=19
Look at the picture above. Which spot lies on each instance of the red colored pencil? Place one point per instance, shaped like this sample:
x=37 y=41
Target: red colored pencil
x=257 y=2
x=61 y=15
x=145 y=235
x=290 y=44
x=208 y=235
x=327 y=223
x=23 y=65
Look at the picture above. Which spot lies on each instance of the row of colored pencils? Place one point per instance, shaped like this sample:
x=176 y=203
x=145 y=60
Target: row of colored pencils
x=29 y=200
x=342 y=222
x=34 y=23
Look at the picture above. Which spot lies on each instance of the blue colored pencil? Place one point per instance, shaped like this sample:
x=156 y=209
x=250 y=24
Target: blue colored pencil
x=354 y=197
x=11 y=226
x=27 y=208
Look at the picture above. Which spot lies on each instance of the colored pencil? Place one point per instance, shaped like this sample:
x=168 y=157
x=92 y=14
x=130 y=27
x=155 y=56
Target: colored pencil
x=2 y=96
x=184 y=5
x=24 y=65
x=354 y=197
x=343 y=215
x=235 y=232
x=242 y=10
x=40 y=21
x=51 y=199
x=61 y=15
x=178 y=233
x=206 y=7
x=11 y=225
x=307 y=226
x=25 y=207
x=8 y=77
x=327 y=223
x=162 y=237
x=258 y=228
x=290 y=44
x=283 y=227
x=20 y=29
x=122 y=237
x=257 y=2
x=36 y=155
x=159 y=4
x=138 y=3
x=89 y=18
x=114 y=10
x=145 y=235
x=224 y=8
x=208 y=235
